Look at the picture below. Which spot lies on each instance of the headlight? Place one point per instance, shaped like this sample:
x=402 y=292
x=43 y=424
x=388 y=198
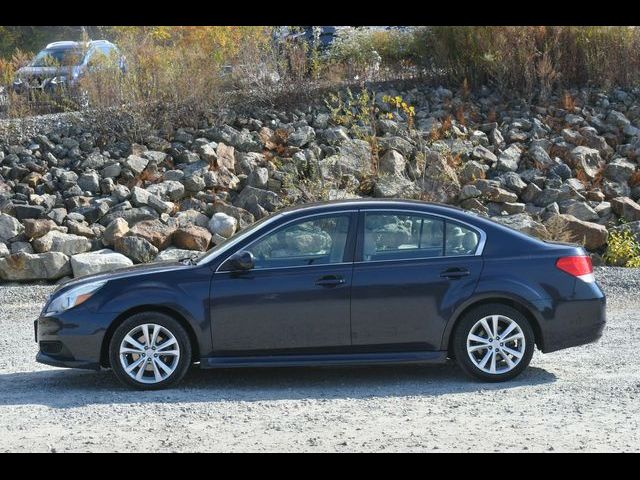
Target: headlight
x=73 y=297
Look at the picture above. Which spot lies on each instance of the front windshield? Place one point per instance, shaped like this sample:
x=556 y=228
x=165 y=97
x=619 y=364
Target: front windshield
x=210 y=254
x=53 y=57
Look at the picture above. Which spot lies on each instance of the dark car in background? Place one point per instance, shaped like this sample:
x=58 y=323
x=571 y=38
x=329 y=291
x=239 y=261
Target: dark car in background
x=338 y=283
x=61 y=65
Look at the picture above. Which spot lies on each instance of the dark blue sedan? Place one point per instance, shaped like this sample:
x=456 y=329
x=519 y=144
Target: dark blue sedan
x=339 y=283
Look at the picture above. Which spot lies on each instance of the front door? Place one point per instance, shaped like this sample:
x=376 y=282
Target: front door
x=296 y=299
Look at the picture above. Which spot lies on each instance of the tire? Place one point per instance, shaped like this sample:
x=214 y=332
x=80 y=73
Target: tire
x=169 y=337
x=475 y=355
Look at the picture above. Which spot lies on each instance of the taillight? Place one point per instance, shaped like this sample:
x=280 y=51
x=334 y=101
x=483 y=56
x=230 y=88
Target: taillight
x=578 y=266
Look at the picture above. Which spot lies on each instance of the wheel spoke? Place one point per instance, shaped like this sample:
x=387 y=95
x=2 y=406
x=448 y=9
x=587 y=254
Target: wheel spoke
x=131 y=350
x=154 y=335
x=493 y=361
x=517 y=336
x=507 y=359
x=486 y=327
x=478 y=339
x=141 y=371
x=508 y=330
x=156 y=372
x=172 y=353
x=485 y=359
x=129 y=339
x=168 y=370
x=475 y=348
x=515 y=353
x=145 y=332
x=494 y=320
x=133 y=366
x=166 y=344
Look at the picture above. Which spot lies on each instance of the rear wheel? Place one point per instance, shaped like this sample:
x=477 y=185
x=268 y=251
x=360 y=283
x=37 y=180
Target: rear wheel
x=150 y=351
x=493 y=343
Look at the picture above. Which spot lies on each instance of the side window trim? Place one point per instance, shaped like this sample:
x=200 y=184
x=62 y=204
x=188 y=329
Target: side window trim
x=347 y=258
x=359 y=255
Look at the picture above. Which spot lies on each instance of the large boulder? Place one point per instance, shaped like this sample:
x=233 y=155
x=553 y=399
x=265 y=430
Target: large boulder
x=591 y=235
x=392 y=163
x=192 y=238
x=41 y=266
x=9 y=227
x=354 y=158
x=154 y=231
x=223 y=224
x=587 y=159
x=626 y=208
x=440 y=180
x=67 y=243
x=251 y=197
x=100 y=261
x=174 y=254
x=136 y=248
x=523 y=223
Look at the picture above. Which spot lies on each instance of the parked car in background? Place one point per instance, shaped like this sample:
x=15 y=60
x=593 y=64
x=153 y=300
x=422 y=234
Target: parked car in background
x=61 y=65
x=338 y=283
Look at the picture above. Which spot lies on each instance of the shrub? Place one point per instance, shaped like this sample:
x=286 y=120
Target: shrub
x=623 y=250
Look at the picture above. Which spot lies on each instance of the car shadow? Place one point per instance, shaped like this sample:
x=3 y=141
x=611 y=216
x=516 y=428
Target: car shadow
x=62 y=388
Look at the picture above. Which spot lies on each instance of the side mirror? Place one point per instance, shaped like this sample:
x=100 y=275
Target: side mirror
x=240 y=261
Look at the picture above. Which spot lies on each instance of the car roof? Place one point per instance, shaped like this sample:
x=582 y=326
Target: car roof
x=73 y=44
x=373 y=202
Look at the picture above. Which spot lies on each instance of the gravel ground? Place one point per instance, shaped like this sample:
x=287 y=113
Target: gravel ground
x=580 y=399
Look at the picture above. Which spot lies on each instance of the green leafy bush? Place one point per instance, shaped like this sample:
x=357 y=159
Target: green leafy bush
x=623 y=250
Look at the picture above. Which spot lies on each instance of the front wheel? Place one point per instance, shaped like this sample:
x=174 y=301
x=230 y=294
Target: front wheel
x=150 y=351
x=493 y=343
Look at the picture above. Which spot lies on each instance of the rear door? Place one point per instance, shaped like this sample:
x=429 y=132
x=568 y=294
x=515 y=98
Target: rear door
x=412 y=269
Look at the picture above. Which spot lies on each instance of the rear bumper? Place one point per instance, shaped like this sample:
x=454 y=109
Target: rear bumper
x=572 y=323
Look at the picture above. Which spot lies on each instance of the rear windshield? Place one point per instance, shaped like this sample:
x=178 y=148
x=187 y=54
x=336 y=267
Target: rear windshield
x=56 y=57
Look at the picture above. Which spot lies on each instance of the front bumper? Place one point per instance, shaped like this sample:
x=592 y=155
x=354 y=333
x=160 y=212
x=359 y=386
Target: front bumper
x=72 y=339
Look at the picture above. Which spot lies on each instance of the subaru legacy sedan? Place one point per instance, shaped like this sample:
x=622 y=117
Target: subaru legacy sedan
x=338 y=283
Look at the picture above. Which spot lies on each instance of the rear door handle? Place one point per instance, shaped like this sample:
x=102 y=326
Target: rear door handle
x=453 y=273
x=330 y=281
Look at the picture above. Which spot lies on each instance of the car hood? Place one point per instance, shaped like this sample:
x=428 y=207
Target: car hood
x=126 y=272
x=26 y=72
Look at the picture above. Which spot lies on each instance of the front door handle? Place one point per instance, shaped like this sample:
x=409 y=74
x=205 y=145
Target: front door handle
x=330 y=281
x=453 y=273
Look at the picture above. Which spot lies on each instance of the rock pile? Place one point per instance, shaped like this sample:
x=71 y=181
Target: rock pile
x=74 y=202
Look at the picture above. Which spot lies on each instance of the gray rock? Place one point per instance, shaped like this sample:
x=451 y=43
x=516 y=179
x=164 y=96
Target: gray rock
x=392 y=163
x=136 y=248
x=26 y=267
x=174 y=254
x=580 y=210
x=251 y=197
x=587 y=159
x=116 y=228
x=67 y=243
x=170 y=189
x=100 y=261
x=523 y=223
x=223 y=224
x=472 y=171
x=132 y=215
x=626 y=208
x=509 y=159
x=4 y=251
x=21 y=247
x=9 y=227
x=619 y=170
x=258 y=178
x=302 y=136
x=484 y=155
x=136 y=164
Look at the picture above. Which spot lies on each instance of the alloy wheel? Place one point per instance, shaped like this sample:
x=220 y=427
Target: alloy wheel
x=149 y=353
x=496 y=344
